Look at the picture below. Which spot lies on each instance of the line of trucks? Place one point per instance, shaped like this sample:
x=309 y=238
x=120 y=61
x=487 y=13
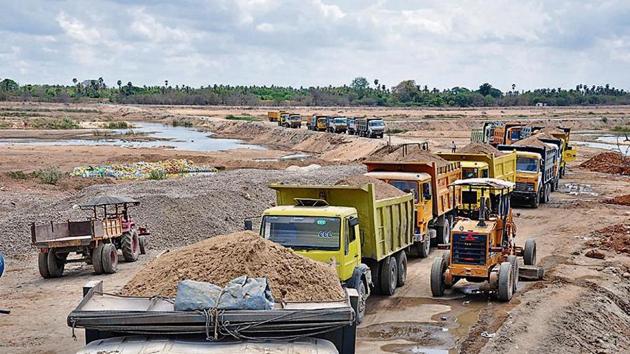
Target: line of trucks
x=369 y=127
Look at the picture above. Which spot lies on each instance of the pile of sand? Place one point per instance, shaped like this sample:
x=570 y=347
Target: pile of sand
x=406 y=153
x=477 y=148
x=608 y=162
x=615 y=237
x=531 y=141
x=222 y=258
x=382 y=189
x=619 y=200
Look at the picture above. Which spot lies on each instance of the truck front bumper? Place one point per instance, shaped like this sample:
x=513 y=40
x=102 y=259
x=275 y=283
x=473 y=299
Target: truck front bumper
x=524 y=196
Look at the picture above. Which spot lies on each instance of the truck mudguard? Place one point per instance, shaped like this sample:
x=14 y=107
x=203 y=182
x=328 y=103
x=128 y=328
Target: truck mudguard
x=359 y=271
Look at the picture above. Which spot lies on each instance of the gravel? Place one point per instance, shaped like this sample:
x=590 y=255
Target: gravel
x=177 y=211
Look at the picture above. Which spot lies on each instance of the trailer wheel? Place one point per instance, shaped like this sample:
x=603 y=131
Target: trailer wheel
x=142 y=242
x=389 y=276
x=514 y=262
x=401 y=261
x=42 y=263
x=130 y=246
x=362 y=301
x=437 y=276
x=56 y=264
x=529 y=252
x=109 y=258
x=506 y=282
x=97 y=256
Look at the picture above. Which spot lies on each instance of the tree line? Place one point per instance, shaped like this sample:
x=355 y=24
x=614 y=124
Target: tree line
x=360 y=92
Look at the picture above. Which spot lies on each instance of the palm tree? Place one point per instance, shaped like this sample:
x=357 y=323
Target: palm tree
x=119 y=83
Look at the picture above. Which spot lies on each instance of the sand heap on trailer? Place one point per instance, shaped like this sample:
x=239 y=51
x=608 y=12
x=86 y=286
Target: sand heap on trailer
x=532 y=141
x=222 y=258
x=405 y=153
x=477 y=148
x=382 y=189
x=608 y=162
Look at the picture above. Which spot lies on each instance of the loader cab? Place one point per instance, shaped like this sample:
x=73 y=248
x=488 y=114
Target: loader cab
x=313 y=229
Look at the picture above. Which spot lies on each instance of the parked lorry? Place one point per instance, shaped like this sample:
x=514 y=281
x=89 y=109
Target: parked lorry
x=435 y=204
x=290 y=120
x=137 y=325
x=370 y=127
x=96 y=240
x=337 y=125
x=352 y=126
x=317 y=123
x=365 y=237
x=483 y=248
x=274 y=116
x=559 y=136
x=535 y=170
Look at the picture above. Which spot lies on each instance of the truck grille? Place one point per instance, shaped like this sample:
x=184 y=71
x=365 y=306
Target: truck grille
x=469 y=249
x=523 y=187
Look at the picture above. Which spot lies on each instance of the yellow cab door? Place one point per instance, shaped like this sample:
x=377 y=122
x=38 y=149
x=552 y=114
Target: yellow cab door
x=426 y=202
x=351 y=247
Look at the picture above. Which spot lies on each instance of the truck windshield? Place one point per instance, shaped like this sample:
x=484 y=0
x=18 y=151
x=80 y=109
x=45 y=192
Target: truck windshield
x=340 y=121
x=376 y=123
x=526 y=164
x=469 y=172
x=407 y=187
x=302 y=232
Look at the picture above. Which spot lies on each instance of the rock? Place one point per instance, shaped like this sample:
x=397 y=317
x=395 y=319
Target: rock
x=595 y=254
x=626 y=275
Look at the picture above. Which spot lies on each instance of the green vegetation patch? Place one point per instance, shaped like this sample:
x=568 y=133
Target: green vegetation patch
x=48 y=123
x=50 y=175
x=243 y=117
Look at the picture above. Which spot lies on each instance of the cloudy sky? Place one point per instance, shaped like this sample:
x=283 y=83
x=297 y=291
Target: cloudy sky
x=440 y=43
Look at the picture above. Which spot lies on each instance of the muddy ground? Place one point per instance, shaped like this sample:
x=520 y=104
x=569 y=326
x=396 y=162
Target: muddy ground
x=581 y=306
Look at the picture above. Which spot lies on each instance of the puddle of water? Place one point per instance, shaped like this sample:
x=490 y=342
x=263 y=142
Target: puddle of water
x=178 y=138
x=625 y=149
x=605 y=141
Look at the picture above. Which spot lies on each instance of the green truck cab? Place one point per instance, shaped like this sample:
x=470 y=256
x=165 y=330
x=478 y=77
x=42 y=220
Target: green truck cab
x=365 y=238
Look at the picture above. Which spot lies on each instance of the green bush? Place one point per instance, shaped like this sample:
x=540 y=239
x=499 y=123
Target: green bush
x=118 y=125
x=65 y=123
x=246 y=118
x=157 y=175
x=51 y=175
x=17 y=174
x=395 y=131
x=182 y=123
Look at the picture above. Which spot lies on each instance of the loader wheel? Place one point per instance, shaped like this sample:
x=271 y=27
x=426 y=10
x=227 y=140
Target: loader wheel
x=529 y=252
x=437 y=276
x=109 y=258
x=142 y=241
x=514 y=262
x=130 y=246
x=506 y=282
x=389 y=276
x=42 y=263
x=401 y=261
x=97 y=262
x=362 y=301
x=56 y=263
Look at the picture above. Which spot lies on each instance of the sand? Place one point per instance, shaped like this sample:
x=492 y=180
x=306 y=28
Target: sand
x=222 y=258
x=477 y=148
x=412 y=153
x=531 y=141
x=382 y=189
x=608 y=162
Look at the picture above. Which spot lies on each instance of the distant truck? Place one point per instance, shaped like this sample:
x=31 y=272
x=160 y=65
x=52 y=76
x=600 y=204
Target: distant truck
x=365 y=237
x=337 y=125
x=290 y=120
x=139 y=325
x=352 y=126
x=535 y=170
x=370 y=127
x=317 y=122
x=274 y=116
x=435 y=203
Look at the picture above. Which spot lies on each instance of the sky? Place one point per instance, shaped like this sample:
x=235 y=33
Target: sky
x=439 y=43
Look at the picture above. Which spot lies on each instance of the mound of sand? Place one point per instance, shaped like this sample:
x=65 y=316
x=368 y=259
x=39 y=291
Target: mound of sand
x=614 y=237
x=477 y=148
x=222 y=258
x=608 y=162
x=531 y=141
x=382 y=189
x=406 y=153
x=619 y=200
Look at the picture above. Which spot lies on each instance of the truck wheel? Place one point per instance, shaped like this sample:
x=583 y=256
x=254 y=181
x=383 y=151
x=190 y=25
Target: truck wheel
x=529 y=252
x=536 y=202
x=514 y=262
x=109 y=258
x=42 y=264
x=130 y=246
x=56 y=263
x=548 y=193
x=362 y=301
x=97 y=262
x=437 y=276
x=424 y=247
x=505 y=282
x=142 y=242
x=444 y=232
x=401 y=261
x=389 y=276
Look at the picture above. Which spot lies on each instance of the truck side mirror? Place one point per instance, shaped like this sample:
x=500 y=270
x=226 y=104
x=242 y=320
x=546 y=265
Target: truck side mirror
x=353 y=221
x=248 y=225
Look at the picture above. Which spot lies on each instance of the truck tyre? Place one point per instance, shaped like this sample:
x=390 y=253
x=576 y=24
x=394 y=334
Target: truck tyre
x=437 y=276
x=142 y=242
x=130 y=245
x=42 y=264
x=514 y=262
x=97 y=256
x=444 y=232
x=424 y=247
x=401 y=261
x=362 y=301
x=536 y=201
x=506 y=284
x=389 y=276
x=548 y=193
x=529 y=252
x=56 y=264
x=109 y=258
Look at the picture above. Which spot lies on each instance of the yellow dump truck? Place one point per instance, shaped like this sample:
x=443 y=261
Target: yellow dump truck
x=275 y=116
x=436 y=204
x=364 y=237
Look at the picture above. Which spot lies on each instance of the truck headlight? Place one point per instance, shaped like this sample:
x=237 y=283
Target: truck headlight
x=530 y=187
